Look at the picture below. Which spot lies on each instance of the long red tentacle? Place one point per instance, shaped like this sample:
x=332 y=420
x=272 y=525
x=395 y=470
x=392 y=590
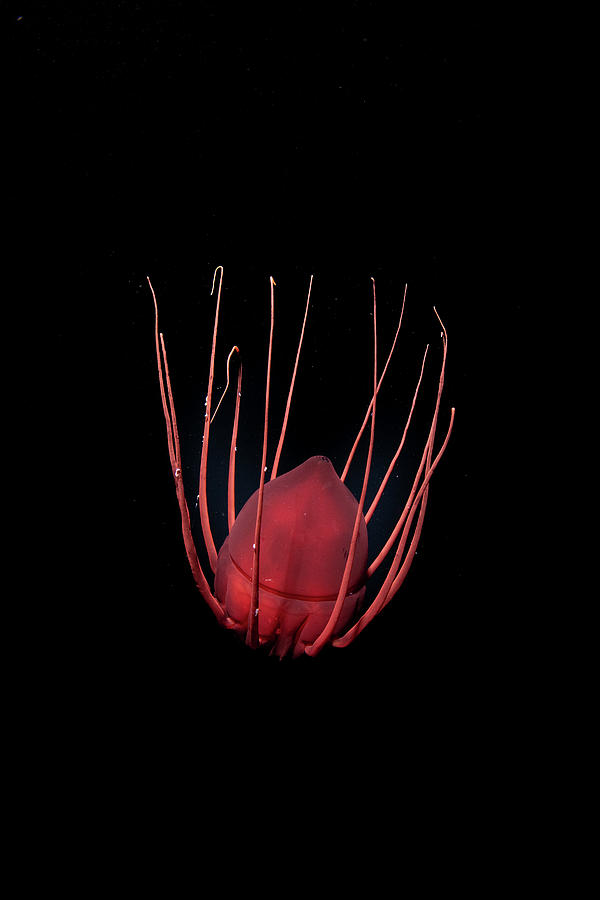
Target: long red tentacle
x=383 y=484
x=252 y=630
x=403 y=516
x=366 y=418
x=175 y=459
x=395 y=577
x=399 y=524
x=232 y=453
x=416 y=500
x=204 y=519
x=316 y=646
x=291 y=391
x=233 y=350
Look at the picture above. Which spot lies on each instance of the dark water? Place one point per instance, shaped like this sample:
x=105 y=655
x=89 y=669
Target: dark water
x=158 y=144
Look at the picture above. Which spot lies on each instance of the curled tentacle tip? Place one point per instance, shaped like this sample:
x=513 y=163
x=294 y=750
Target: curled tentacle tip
x=215 y=277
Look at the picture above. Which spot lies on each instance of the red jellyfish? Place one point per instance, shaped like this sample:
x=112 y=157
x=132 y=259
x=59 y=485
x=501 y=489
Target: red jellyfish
x=293 y=570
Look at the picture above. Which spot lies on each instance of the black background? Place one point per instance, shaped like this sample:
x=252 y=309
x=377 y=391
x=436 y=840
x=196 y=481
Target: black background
x=166 y=139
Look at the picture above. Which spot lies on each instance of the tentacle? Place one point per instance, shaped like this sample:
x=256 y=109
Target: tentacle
x=395 y=578
x=415 y=500
x=252 y=631
x=366 y=418
x=231 y=352
x=175 y=459
x=394 y=535
x=204 y=519
x=232 y=452
x=289 y=399
x=316 y=646
x=407 y=507
x=373 y=505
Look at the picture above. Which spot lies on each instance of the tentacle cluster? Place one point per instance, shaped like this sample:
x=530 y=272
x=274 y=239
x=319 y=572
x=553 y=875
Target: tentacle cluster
x=406 y=527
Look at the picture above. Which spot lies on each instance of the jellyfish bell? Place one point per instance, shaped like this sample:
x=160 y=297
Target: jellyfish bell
x=307 y=522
